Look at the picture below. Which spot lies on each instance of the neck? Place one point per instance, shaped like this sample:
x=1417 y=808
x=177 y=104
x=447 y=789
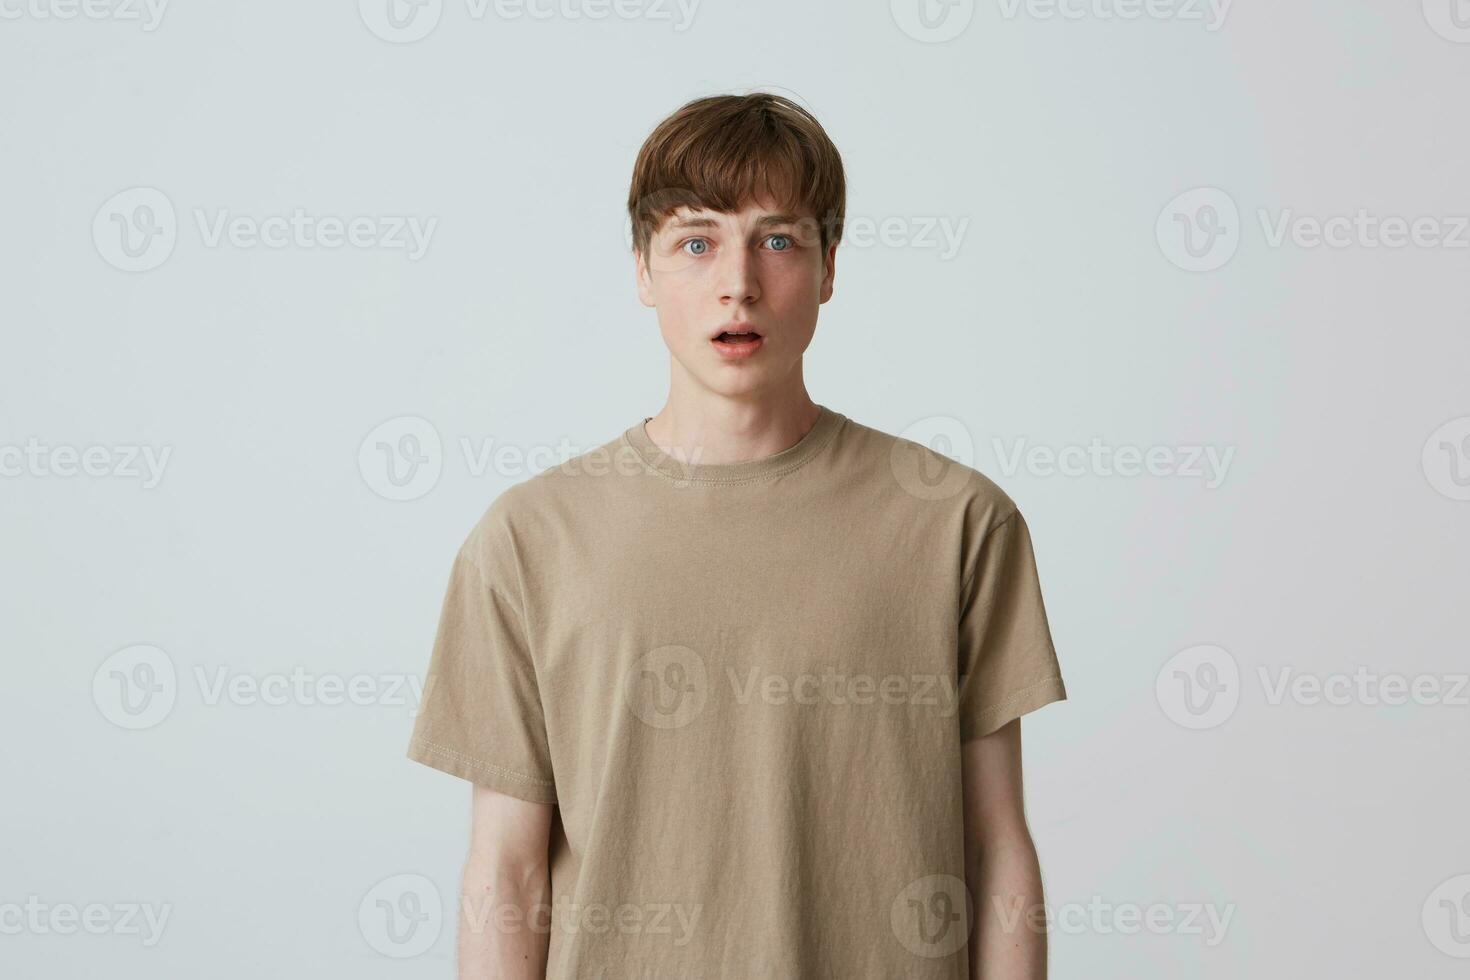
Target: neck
x=714 y=428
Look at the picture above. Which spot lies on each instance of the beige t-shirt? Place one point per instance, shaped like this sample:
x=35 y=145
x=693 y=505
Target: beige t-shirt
x=745 y=687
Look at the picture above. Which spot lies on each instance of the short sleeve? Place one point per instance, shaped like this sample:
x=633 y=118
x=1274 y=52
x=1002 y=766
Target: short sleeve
x=1007 y=664
x=480 y=717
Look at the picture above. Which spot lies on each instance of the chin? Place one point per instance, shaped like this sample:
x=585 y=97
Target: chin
x=734 y=384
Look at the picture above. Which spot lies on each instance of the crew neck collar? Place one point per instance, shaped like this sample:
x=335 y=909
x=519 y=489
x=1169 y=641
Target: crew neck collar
x=827 y=423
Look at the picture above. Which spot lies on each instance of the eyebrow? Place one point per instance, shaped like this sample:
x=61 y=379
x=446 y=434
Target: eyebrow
x=765 y=221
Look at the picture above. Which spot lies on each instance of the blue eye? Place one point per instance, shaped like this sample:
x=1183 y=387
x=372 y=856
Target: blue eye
x=786 y=238
x=703 y=245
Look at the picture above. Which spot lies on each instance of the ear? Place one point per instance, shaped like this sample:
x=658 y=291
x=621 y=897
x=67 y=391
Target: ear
x=645 y=281
x=829 y=273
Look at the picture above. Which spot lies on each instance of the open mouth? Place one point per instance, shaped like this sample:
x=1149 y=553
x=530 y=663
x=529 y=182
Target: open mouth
x=739 y=344
x=746 y=337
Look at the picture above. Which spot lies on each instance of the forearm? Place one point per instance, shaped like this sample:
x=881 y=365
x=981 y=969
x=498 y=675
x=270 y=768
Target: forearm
x=1009 y=937
x=505 y=922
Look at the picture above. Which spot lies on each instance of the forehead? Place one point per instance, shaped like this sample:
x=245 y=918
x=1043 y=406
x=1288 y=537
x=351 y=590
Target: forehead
x=751 y=214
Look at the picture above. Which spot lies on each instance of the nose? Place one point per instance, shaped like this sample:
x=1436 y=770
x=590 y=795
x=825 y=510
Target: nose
x=737 y=281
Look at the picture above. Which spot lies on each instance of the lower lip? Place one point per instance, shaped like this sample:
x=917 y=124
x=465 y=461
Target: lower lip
x=736 y=352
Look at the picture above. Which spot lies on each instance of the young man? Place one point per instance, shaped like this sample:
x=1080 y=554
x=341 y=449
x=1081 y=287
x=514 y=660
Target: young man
x=738 y=690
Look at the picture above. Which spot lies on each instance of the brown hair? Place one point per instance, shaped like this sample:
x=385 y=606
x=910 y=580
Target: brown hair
x=721 y=151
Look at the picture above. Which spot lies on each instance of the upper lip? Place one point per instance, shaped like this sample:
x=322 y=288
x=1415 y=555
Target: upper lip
x=735 y=327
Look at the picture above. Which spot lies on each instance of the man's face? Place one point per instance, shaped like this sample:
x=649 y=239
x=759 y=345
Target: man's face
x=758 y=270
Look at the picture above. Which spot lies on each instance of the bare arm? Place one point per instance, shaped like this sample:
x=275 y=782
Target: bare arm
x=1001 y=868
x=505 y=892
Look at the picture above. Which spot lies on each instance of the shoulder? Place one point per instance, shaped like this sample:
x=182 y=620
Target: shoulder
x=546 y=500
x=917 y=474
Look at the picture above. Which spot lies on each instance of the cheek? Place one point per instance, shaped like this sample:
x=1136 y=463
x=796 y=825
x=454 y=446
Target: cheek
x=792 y=279
x=681 y=314
x=691 y=296
x=682 y=286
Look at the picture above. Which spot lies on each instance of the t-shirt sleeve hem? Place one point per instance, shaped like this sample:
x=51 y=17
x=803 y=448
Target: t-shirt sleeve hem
x=1022 y=702
x=498 y=778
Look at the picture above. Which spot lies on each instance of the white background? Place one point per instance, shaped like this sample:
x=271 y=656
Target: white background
x=1335 y=544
